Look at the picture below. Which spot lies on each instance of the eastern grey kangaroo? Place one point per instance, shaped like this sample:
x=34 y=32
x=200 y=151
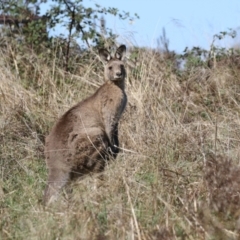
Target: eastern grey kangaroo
x=85 y=137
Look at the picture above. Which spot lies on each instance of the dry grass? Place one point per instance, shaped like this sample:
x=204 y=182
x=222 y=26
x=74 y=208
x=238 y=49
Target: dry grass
x=177 y=176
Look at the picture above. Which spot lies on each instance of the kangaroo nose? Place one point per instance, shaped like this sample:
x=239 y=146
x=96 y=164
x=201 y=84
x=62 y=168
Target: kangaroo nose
x=119 y=74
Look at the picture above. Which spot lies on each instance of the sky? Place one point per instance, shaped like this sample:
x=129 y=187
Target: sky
x=187 y=23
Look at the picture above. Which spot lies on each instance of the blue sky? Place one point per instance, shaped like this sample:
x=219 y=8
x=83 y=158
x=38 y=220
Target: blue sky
x=187 y=22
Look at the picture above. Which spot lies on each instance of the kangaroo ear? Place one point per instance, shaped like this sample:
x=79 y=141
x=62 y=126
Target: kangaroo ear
x=120 y=52
x=104 y=54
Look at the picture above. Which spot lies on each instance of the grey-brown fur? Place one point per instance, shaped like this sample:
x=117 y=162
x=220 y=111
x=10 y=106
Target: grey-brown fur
x=87 y=134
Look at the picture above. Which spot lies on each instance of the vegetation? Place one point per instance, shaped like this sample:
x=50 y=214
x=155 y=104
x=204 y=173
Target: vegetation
x=178 y=174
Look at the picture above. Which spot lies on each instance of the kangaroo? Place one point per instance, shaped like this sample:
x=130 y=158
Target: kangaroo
x=86 y=136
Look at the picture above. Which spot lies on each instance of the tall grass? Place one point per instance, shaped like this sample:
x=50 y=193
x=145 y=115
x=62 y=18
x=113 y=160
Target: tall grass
x=176 y=177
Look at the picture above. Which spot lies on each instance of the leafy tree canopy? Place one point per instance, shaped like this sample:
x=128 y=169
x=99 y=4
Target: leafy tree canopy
x=82 y=23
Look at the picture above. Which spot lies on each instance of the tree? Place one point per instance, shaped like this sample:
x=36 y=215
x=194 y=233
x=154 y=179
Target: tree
x=22 y=18
x=79 y=21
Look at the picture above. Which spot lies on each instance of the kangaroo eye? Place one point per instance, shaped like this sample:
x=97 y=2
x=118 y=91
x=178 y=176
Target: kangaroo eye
x=110 y=68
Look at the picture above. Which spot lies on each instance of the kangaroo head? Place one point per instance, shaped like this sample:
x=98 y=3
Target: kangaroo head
x=114 y=69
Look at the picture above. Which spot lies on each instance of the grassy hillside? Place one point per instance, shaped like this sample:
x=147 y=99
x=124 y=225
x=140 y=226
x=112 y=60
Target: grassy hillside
x=177 y=176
